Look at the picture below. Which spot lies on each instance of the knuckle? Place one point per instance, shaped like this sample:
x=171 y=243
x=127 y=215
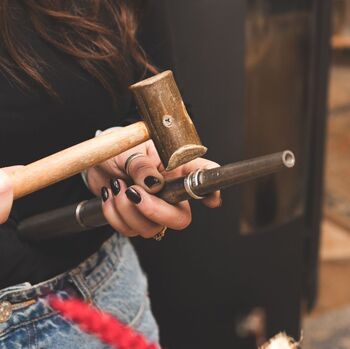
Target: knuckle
x=140 y=166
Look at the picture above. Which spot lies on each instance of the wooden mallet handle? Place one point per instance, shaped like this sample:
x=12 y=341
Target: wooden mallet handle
x=165 y=121
x=75 y=159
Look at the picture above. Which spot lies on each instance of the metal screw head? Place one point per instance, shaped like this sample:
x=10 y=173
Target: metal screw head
x=168 y=120
x=5 y=311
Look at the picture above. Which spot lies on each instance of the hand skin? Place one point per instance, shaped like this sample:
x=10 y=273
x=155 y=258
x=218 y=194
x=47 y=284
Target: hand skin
x=6 y=192
x=151 y=214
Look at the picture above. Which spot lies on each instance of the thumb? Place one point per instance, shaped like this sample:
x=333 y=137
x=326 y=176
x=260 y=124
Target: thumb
x=11 y=169
x=6 y=195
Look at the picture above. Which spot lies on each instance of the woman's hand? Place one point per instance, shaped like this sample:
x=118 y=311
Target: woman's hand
x=134 y=210
x=6 y=192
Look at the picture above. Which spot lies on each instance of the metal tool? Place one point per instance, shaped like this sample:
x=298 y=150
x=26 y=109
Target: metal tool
x=87 y=215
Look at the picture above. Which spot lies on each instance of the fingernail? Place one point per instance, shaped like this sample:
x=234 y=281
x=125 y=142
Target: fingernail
x=115 y=187
x=151 y=181
x=104 y=194
x=133 y=195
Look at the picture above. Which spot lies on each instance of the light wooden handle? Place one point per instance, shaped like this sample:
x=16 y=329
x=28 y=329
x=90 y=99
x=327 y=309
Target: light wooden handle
x=77 y=158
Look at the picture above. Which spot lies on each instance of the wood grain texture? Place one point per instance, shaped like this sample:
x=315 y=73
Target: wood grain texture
x=165 y=114
x=77 y=158
x=166 y=121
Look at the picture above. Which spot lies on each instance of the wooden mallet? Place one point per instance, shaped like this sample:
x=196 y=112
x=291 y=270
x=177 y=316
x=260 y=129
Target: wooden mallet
x=165 y=121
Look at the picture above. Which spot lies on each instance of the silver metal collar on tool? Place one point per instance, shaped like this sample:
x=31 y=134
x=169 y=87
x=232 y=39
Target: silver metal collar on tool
x=77 y=214
x=191 y=181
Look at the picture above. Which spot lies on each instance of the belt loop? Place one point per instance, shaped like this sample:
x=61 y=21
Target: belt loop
x=79 y=281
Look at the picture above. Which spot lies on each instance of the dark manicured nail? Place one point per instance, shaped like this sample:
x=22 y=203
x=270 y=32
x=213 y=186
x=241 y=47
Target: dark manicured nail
x=133 y=195
x=151 y=181
x=104 y=194
x=115 y=187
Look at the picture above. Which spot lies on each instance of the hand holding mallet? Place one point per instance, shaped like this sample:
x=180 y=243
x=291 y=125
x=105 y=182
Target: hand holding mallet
x=166 y=122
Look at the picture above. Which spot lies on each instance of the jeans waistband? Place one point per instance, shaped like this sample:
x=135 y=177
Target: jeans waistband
x=86 y=276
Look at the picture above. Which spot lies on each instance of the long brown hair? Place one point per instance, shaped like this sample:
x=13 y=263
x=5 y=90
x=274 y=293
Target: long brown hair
x=100 y=34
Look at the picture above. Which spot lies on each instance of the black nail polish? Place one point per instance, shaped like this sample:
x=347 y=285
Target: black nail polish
x=115 y=186
x=133 y=195
x=151 y=181
x=104 y=194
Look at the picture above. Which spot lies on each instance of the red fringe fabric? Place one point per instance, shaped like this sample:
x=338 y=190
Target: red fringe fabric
x=104 y=326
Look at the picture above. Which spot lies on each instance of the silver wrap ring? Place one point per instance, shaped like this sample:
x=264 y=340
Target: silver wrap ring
x=129 y=159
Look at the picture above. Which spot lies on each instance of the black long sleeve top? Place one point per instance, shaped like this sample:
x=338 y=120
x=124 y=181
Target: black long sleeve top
x=34 y=125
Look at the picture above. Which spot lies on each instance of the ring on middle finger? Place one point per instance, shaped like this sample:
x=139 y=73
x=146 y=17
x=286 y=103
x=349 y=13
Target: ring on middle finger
x=130 y=159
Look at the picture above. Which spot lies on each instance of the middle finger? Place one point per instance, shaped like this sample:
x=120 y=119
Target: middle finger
x=132 y=217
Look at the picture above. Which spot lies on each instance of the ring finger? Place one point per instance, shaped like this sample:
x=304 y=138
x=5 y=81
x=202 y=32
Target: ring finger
x=131 y=216
x=113 y=218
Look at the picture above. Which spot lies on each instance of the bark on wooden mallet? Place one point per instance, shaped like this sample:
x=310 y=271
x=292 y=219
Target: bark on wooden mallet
x=166 y=121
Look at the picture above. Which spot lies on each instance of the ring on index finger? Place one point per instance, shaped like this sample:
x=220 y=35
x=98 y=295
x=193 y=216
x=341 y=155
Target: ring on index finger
x=129 y=159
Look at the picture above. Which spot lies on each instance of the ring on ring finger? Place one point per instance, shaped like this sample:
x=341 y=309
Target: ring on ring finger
x=159 y=236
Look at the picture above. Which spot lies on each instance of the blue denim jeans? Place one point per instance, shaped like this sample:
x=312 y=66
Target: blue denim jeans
x=111 y=279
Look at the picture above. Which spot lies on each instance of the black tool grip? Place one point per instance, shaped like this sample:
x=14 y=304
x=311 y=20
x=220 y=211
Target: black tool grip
x=84 y=216
x=88 y=215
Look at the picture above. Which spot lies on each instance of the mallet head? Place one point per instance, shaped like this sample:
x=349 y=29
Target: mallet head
x=165 y=115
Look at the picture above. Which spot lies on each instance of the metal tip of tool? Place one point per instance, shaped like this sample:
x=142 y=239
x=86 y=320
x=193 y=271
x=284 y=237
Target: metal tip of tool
x=288 y=158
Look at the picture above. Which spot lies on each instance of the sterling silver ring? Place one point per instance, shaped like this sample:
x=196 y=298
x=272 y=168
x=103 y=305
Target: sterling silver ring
x=129 y=159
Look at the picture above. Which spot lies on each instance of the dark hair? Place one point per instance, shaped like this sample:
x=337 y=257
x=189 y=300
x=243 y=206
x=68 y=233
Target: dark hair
x=100 y=34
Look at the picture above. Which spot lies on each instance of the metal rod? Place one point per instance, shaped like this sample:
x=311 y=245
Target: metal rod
x=87 y=215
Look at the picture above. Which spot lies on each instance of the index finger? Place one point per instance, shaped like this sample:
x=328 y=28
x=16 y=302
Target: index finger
x=144 y=169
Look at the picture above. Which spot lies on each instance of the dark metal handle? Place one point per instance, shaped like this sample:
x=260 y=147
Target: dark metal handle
x=88 y=214
x=84 y=216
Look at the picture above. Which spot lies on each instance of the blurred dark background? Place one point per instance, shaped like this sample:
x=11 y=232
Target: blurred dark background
x=255 y=73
